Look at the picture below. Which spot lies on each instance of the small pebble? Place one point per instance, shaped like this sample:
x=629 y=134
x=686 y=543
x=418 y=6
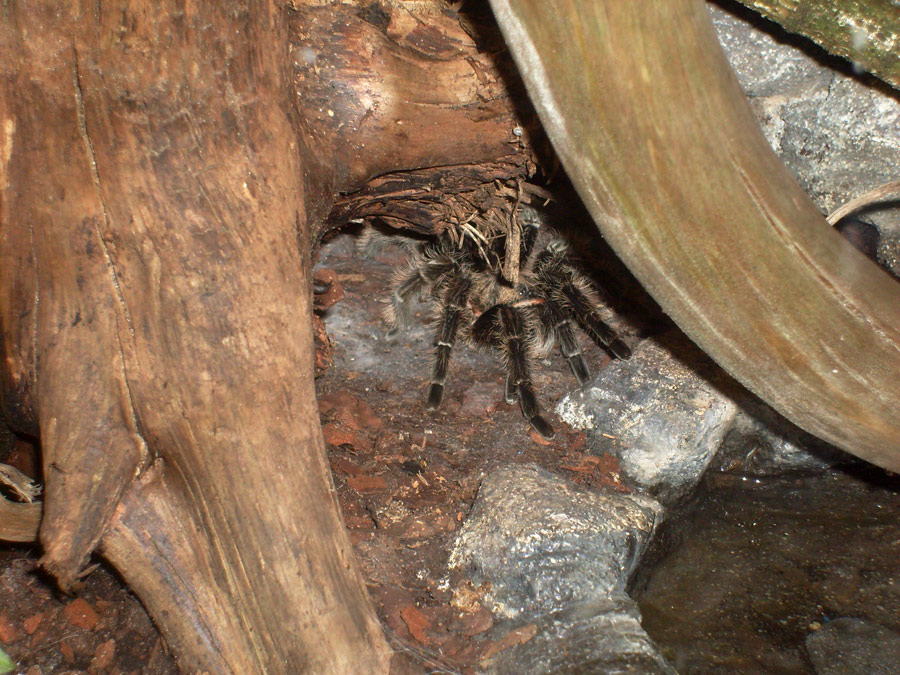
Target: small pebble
x=8 y=632
x=32 y=622
x=104 y=656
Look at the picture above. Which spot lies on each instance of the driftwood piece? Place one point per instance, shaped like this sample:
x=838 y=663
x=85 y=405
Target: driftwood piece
x=396 y=86
x=153 y=200
x=661 y=144
x=20 y=521
x=165 y=171
x=865 y=32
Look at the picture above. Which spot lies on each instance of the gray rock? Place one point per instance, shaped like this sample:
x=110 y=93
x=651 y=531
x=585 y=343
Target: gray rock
x=592 y=637
x=557 y=558
x=849 y=646
x=662 y=416
x=544 y=543
x=765 y=66
x=889 y=251
x=840 y=136
x=762 y=443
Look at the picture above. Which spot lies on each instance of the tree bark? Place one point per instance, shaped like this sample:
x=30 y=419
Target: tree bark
x=164 y=174
x=153 y=202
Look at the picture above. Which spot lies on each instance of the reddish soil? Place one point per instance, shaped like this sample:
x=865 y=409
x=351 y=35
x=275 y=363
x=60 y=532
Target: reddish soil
x=103 y=630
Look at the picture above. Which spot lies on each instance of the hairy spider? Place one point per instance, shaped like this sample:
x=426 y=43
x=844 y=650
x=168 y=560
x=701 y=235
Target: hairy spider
x=521 y=318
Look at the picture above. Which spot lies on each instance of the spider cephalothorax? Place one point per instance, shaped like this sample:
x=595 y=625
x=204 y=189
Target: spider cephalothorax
x=521 y=312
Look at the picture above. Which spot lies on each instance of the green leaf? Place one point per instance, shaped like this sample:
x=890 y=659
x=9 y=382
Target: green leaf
x=7 y=665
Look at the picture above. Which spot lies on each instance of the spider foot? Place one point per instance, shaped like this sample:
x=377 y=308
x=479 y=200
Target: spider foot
x=435 y=396
x=619 y=349
x=579 y=369
x=529 y=405
x=542 y=426
x=511 y=395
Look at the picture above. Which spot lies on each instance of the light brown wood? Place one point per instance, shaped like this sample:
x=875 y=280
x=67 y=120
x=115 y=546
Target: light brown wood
x=19 y=522
x=153 y=197
x=653 y=128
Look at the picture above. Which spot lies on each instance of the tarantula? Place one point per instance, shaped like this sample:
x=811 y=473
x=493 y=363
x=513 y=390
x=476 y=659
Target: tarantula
x=520 y=318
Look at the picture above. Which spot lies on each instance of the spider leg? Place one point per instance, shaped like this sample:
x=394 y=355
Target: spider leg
x=560 y=327
x=531 y=226
x=486 y=330
x=591 y=323
x=510 y=391
x=455 y=300
x=428 y=265
x=563 y=283
x=408 y=284
x=503 y=327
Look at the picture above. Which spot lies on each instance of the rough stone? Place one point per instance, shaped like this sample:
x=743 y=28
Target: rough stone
x=848 y=646
x=544 y=543
x=662 y=413
x=557 y=558
x=839 y=133
x=761 y=442
x=889 y=251
x=602 y=636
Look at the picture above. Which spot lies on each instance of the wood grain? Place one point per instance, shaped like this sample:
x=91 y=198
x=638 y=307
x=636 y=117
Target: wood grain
x=651 y=124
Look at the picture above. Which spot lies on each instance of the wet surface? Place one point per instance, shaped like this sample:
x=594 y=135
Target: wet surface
x=765 y=563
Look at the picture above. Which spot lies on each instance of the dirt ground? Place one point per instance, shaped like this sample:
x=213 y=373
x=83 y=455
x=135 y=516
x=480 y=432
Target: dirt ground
x=406 y=479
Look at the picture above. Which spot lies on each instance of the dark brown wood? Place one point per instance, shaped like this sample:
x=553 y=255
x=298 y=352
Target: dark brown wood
x=385 y=86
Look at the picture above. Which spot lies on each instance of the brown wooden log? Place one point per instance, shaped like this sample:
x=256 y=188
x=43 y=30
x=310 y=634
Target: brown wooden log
x=652 y=126
x=19 y=522
x=365 y=76
x=164 y=174
x=153 y=199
